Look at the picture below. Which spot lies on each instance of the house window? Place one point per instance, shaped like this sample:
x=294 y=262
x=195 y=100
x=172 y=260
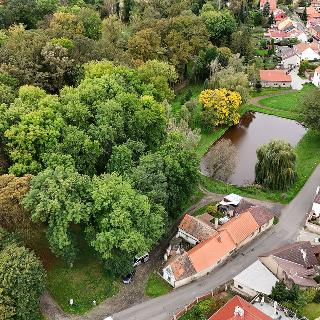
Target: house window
x=240 y=287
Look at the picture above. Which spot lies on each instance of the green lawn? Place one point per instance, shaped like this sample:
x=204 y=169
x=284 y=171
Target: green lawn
x=84 y=282
x=156 y=286
x=266 y=91
x=215 y=213
x=290 y=102
x=311 y=311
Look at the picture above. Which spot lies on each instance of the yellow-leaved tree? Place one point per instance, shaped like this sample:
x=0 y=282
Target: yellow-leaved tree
x=220 y=106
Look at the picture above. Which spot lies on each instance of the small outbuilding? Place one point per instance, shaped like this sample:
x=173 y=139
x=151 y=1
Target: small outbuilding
x=275 y=78
x=254 y=280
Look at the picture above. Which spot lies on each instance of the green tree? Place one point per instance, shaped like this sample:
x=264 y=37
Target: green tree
x=22 y=280
x=12 y=214
x=266 y=9
x=7 y=311
x=145 y=45
x=59 y=197
x=83 y=149
x=220 y=24
x=38 y=132
x=27 y=12
x=279 y=291
x=311 y=108
x=304 y=15
x=125 y=156
x=149 y=178
x=125 y=223
x=276 y=166
x=180 y=168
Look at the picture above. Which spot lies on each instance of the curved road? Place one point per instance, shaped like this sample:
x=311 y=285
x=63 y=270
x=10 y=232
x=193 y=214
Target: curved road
x=286 y=231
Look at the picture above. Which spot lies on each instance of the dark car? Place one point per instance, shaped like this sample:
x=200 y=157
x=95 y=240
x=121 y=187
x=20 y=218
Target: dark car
x=127 y=279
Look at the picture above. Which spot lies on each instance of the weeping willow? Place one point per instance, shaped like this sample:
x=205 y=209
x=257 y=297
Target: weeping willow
x=276 y=166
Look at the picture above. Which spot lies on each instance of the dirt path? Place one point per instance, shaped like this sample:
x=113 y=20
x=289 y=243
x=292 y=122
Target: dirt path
x=256 y=100
x=50 y=308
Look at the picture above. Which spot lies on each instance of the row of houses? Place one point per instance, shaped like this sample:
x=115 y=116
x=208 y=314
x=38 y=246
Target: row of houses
x=296 y=263
x=212 y=243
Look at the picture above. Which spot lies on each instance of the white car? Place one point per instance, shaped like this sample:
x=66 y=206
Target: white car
x=108 y=318
x=138 y=260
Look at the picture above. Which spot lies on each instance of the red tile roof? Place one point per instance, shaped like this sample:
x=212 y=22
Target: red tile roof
x=241 y=227
x=273 y=4
x=182 y=267
x=209 y=252
x=227 y=312
x=196 y=227
x=312 y=13
x=274 y=76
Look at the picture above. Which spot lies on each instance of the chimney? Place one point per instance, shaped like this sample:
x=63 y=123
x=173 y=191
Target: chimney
x=219 y=238
x=304 y=255
x=216 y=223
x=238 y=311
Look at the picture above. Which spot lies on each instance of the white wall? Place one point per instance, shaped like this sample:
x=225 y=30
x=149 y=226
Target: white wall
x=187 y=237
x=316 y=206
x=293 y=61
x=309 y=54
x=316 y=79
x=276 y=84
x=167 y=275
x=238 y=286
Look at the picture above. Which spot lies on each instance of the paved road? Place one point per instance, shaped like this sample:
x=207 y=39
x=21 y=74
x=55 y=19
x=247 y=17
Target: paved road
x=286 y=231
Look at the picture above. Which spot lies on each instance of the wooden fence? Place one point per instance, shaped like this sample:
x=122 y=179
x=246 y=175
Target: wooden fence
x=211 y=294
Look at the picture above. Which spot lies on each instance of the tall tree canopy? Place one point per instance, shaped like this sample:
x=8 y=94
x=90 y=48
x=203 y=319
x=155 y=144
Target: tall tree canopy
x=276 y=166
x=311 y=109
x=125 y=222
x=59 y=197
x=22 y=279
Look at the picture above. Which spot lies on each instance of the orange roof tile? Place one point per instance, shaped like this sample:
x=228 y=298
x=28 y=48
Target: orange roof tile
x=275 y=75
x=196 y=227
x=182 y=267
x=211 y=251
x=312 y=13
x=250 y=312
x=240 y=227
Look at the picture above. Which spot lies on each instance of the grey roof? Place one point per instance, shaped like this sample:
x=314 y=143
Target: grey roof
x=297 y=273
x=261 y=215
x=299 y=252
x=242 y=206
x=257 y=277
x=288 y=54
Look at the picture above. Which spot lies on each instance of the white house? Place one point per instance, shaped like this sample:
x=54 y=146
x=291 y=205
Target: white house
x=316 y=78
x=254 y=280
x=290 y=59
x=306 y=52
x=275 y=79
x=316 y=201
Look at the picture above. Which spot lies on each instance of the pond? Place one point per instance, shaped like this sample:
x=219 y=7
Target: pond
x=253 y=130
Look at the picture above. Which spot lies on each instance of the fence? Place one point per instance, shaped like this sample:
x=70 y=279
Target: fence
x=211 y=294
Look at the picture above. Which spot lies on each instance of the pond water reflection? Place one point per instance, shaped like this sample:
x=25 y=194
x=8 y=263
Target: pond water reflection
x=253 y=130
